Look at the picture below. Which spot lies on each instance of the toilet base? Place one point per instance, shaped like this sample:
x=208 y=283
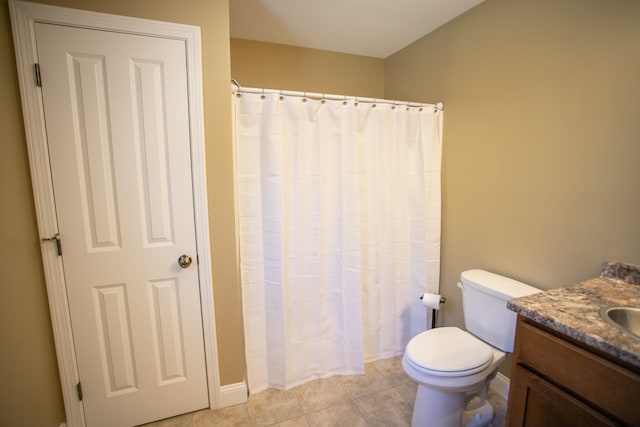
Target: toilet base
x=478 y=417
x=435 y=408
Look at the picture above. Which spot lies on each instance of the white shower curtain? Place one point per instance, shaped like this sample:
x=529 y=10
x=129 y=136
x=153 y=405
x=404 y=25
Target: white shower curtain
x=339 y=222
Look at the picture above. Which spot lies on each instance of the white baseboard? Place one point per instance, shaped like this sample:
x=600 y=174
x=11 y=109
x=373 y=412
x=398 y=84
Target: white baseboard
x=233 y=394
x=500 y=385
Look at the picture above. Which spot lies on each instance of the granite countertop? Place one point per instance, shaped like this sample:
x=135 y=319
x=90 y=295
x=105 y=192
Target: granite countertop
x=574 y=310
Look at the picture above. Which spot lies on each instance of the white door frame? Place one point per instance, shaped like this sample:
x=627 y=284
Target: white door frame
x=24 y=15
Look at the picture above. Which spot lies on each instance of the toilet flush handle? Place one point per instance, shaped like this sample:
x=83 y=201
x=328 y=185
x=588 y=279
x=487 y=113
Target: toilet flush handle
x=460 y=285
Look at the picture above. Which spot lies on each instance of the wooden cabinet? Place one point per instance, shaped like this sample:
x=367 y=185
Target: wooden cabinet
x=555 y=382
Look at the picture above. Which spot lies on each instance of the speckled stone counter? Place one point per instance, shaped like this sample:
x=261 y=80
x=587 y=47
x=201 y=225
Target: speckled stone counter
x=573 y=310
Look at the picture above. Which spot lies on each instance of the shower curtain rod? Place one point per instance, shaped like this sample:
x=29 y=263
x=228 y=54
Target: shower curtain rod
x=236 y=88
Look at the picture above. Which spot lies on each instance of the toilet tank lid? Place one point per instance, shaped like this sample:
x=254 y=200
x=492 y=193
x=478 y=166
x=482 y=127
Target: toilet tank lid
x=499 y=286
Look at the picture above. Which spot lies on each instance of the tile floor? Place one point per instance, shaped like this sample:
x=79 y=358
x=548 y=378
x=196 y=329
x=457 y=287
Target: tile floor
x=382 y=397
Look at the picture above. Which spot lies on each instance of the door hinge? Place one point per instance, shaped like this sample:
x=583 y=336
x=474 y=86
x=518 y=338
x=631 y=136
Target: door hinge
x=79 y=389
x=55 y=238
x=36 y=68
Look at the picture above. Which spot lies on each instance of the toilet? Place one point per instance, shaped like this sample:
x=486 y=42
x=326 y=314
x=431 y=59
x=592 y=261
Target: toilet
x=453 y=367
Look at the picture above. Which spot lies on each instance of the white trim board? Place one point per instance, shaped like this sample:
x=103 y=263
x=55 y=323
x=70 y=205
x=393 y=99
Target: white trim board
x=24 y=15
x=233 y=394
x=500 y=385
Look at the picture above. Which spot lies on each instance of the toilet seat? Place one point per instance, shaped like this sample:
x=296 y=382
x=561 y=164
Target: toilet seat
x=448 y=352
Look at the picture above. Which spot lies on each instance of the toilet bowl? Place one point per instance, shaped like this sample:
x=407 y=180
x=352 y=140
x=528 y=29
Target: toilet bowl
x=453 y=367
x=450 y=377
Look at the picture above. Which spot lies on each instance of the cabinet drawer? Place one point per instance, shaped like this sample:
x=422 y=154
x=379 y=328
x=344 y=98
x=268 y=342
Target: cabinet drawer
x=605 y=385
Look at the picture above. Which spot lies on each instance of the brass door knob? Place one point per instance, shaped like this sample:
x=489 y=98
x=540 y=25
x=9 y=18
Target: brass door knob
x=184 y=261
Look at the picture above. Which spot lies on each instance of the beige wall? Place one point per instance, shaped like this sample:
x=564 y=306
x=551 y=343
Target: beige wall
x=277 y=66
x=30 y=393
x=541 y=156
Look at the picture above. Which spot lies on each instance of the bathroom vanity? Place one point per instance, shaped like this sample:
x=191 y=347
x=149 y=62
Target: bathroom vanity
x=570 y=367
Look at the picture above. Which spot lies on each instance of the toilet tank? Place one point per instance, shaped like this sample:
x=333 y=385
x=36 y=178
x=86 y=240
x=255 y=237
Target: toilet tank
x=484 y=303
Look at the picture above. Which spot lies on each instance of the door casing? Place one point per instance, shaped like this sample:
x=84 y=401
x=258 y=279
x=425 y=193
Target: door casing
x=24 y=15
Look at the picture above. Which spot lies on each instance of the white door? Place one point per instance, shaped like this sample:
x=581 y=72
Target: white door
x=117 y=123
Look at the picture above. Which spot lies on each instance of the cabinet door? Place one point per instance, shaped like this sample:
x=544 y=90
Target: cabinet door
x=535 y=402
x=608 y=386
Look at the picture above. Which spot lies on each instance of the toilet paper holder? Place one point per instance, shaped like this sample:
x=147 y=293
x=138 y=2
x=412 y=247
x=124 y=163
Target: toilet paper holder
x=434 y=317
x=442 y=299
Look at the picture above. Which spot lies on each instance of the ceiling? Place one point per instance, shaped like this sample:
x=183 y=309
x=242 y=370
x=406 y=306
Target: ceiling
x=375 y=28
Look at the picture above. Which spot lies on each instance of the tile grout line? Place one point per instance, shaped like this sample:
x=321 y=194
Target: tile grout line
x=353 y=403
